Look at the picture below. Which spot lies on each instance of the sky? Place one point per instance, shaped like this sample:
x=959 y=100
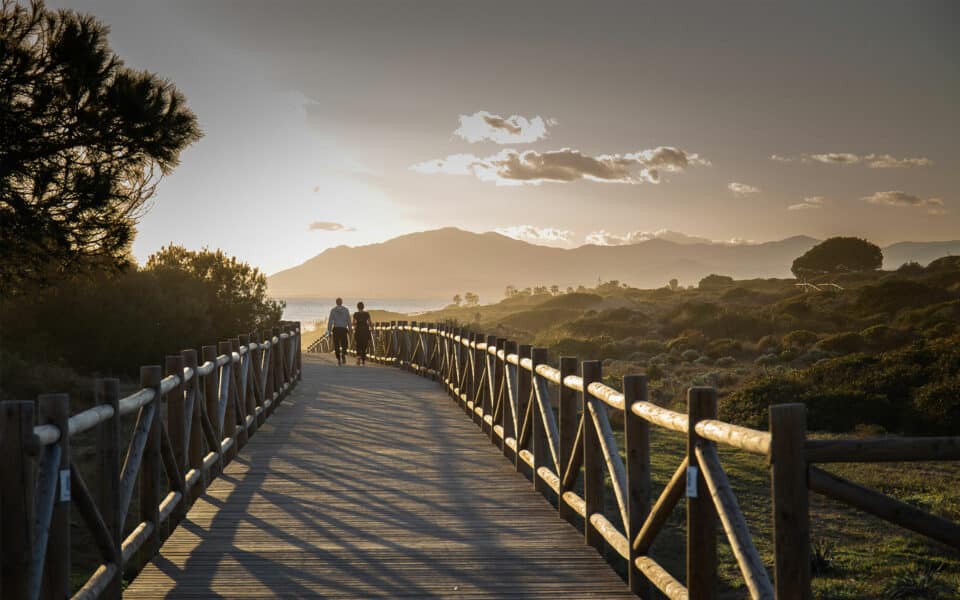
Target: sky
x=561 y=123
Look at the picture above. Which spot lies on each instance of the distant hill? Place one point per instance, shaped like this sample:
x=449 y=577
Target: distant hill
x=439 y=263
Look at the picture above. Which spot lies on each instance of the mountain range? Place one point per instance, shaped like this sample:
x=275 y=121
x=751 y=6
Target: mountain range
x=442 y=262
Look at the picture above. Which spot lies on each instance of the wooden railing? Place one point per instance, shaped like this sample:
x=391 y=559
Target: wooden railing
x=561 y=434
x=190 y=424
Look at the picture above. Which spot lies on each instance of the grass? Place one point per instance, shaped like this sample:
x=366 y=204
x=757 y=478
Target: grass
x=854 y=555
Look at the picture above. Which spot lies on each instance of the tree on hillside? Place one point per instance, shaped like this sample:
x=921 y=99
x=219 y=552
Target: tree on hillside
x=236 y=292
x=510 y=291
x=674 y=284
x=715 y=282
x=457 y=299
x=471 y=299
x=838 y=254
x=555 y=289
x=84 y=141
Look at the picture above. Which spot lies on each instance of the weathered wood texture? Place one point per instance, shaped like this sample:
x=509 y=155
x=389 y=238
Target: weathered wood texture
x=371 y=483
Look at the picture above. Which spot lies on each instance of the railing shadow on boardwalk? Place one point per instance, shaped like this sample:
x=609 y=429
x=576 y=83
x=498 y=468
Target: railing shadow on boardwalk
x=369 y=519
x=189 y=425
x=508 y=390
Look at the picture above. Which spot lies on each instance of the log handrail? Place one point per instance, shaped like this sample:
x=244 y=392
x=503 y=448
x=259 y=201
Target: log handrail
x=552 y=424
x=173 y=455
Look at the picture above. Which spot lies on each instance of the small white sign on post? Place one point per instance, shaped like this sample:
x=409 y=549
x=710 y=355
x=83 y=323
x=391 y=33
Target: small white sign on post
x=692 y=473
x=64 y=485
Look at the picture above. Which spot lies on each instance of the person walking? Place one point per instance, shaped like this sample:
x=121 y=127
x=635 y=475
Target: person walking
x=361 y=333
x=338 y=325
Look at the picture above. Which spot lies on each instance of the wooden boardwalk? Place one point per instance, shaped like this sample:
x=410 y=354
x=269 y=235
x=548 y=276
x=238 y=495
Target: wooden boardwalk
x=370 y=482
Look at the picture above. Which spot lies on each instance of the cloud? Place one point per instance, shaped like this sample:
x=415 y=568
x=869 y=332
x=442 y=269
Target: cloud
x=605 y=238
x=738 y=242
x=809 y=203
x=502 y=130
x=934 y=206
x=885 y=161
x=833 y=158
x=532 y=233
x=874 y=161
x=510 y=167
x=742 y=189
x=329 y=226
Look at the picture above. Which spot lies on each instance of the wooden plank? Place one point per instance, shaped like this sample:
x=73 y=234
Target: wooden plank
x=636 y=440
x=292 y=515
x=734 y=524
x=885 y=507
x=661 y=510
x=193 y=414
x=701 y=515
x=791 y=513
x=107 y=392
x=17 y=481
x=151 y=466
x=55 y=410
x=592 y=459
x=568 y=418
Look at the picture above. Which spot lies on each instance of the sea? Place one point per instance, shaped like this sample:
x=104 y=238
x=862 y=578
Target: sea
x=311 y=310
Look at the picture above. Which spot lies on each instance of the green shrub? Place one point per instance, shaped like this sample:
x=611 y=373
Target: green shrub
x=897 y=294
x=723 y=347
x=768 y=343
x=749 y=405
x=939 y=403
x=715 y=282
x=689 y=355
x=799 y=338
x=651 y=346
x=765 y=360
x=843 y=343
x=726 y=361
x=577 y=300
x=880 y=338
x=655 y=372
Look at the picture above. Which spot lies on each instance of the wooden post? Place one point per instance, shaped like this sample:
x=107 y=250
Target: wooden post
x=509 y=401
x=107 y=391
x=524 y=385
x=391 y=336
x=490 y=387
x=541 y=450
x=17 y=482
x=276 y=367
x=177 y=432
x=299 y=351
x=412 y=349
x=791 y=516
x=230 y=414
x=249 y=398
x=480 y=387
x=568 y=418
x=239 y=396
x=151 y=467
x=636 y=435
x=211 y=398
x=55 y=410
x=701 y=513
x=195 y=440
x=592 y=459
x=500 y=392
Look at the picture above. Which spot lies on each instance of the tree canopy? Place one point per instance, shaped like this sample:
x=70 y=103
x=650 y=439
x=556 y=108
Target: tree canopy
x=84 y=141
x=838 y=254
x=235 y=293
